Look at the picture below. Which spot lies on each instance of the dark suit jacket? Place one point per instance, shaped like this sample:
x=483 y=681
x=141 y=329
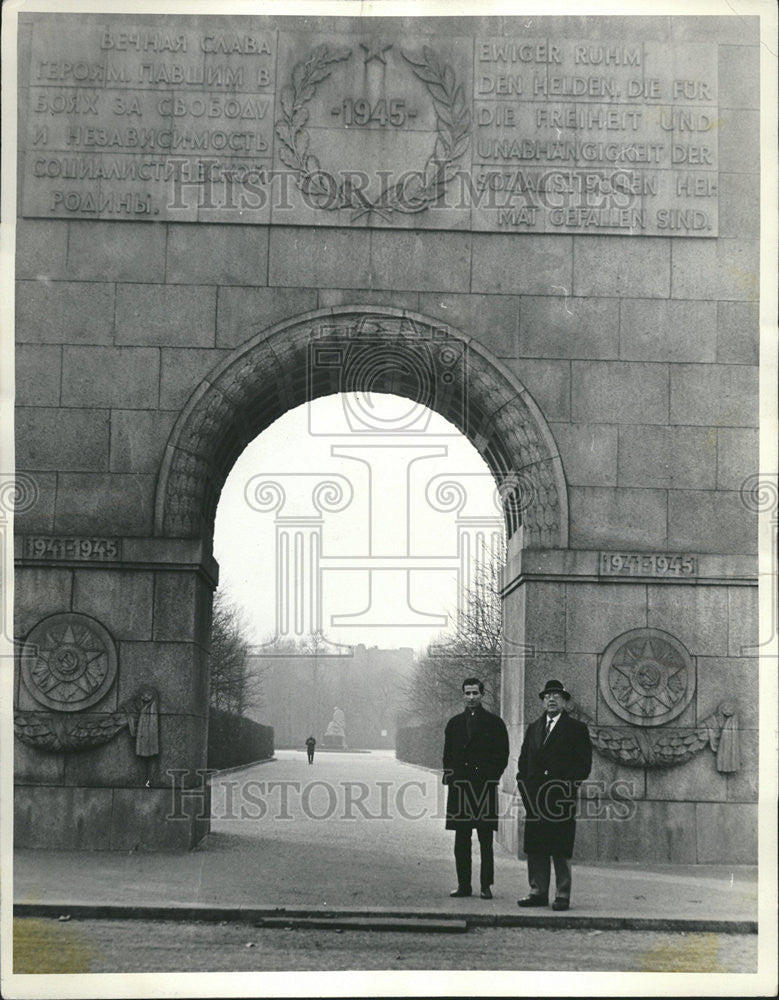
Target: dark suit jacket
x=548 y=777
x=472 y=768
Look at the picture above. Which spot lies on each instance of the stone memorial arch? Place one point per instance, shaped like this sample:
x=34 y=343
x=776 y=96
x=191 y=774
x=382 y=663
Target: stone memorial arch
x=548 y=234
x=356 y=349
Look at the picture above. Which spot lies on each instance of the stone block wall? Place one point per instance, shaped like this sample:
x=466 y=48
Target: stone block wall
x=646 y=444
x=640 y=351
x=649 y=812
x=107 y=796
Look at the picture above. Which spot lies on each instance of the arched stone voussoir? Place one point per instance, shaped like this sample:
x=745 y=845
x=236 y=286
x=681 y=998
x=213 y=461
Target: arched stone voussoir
x=362 y=348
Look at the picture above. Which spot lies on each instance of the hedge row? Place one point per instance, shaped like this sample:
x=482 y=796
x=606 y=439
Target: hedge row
x=420 y=744
x=234 y=740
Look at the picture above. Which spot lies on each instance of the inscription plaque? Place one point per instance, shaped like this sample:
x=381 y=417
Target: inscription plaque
x=185 y=120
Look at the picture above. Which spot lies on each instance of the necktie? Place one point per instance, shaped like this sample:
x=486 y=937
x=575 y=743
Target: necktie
x=548 y=730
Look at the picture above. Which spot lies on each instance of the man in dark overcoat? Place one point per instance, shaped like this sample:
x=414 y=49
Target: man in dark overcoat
x=476 y=751
x=556 y=757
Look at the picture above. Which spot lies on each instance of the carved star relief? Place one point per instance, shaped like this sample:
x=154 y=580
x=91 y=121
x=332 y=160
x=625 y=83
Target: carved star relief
x=67 y=666
x=648 y=679
x=375 y=50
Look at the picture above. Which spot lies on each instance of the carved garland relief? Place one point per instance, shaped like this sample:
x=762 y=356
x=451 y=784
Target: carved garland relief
x=647 y=677
x=68 y=664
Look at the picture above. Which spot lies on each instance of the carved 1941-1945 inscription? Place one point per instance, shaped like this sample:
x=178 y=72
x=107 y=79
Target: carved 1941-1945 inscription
x=654 y=564
x=70 y=547
x=264 y=125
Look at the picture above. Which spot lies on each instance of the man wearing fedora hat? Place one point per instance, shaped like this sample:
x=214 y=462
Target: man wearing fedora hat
x=556 y=757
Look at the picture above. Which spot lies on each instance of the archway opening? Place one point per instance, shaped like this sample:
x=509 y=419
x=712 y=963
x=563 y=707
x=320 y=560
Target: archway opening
x=371 y=352
x=376 y=555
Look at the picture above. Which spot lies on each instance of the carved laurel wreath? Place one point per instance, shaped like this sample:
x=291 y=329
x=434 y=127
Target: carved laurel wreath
x=414 y=194
x=49 y=732
x=639 y=748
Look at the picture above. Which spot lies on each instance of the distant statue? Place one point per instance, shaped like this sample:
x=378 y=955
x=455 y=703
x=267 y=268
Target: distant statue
x=335 y=734
x=337 y=726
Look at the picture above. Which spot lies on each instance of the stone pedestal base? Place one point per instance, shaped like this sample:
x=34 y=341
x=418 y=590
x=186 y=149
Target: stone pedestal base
x=333 y=741
x=111 y=819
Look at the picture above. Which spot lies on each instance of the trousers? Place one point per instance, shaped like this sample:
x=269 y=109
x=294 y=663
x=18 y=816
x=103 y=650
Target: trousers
x=462 y=854
x=539 y=870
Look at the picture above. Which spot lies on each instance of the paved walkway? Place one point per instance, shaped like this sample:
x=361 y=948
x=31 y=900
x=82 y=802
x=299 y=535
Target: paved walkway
x=362 y=833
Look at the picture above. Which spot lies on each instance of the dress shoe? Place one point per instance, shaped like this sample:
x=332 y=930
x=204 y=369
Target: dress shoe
x=461 y=890
x=486 y=892
x=533 y=901
x=560 y=904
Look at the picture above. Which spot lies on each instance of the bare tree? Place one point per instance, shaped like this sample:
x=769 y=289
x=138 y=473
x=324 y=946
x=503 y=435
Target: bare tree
x=235 y=680
x=309 y=659
x=472 y=649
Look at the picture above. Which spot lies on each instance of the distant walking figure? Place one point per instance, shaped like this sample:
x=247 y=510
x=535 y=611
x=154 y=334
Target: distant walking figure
x=310 y=744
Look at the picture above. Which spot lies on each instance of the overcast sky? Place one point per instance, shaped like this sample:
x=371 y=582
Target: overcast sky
x=369 y=476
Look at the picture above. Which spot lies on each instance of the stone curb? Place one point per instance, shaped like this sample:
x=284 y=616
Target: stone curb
x=324 y=922
x=242 y=767
x=335 y=918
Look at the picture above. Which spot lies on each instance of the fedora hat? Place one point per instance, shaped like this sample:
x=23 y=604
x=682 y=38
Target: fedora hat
x=554 y=686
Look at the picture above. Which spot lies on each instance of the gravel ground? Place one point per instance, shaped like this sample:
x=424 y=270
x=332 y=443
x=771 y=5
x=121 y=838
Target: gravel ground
x=167 y=946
